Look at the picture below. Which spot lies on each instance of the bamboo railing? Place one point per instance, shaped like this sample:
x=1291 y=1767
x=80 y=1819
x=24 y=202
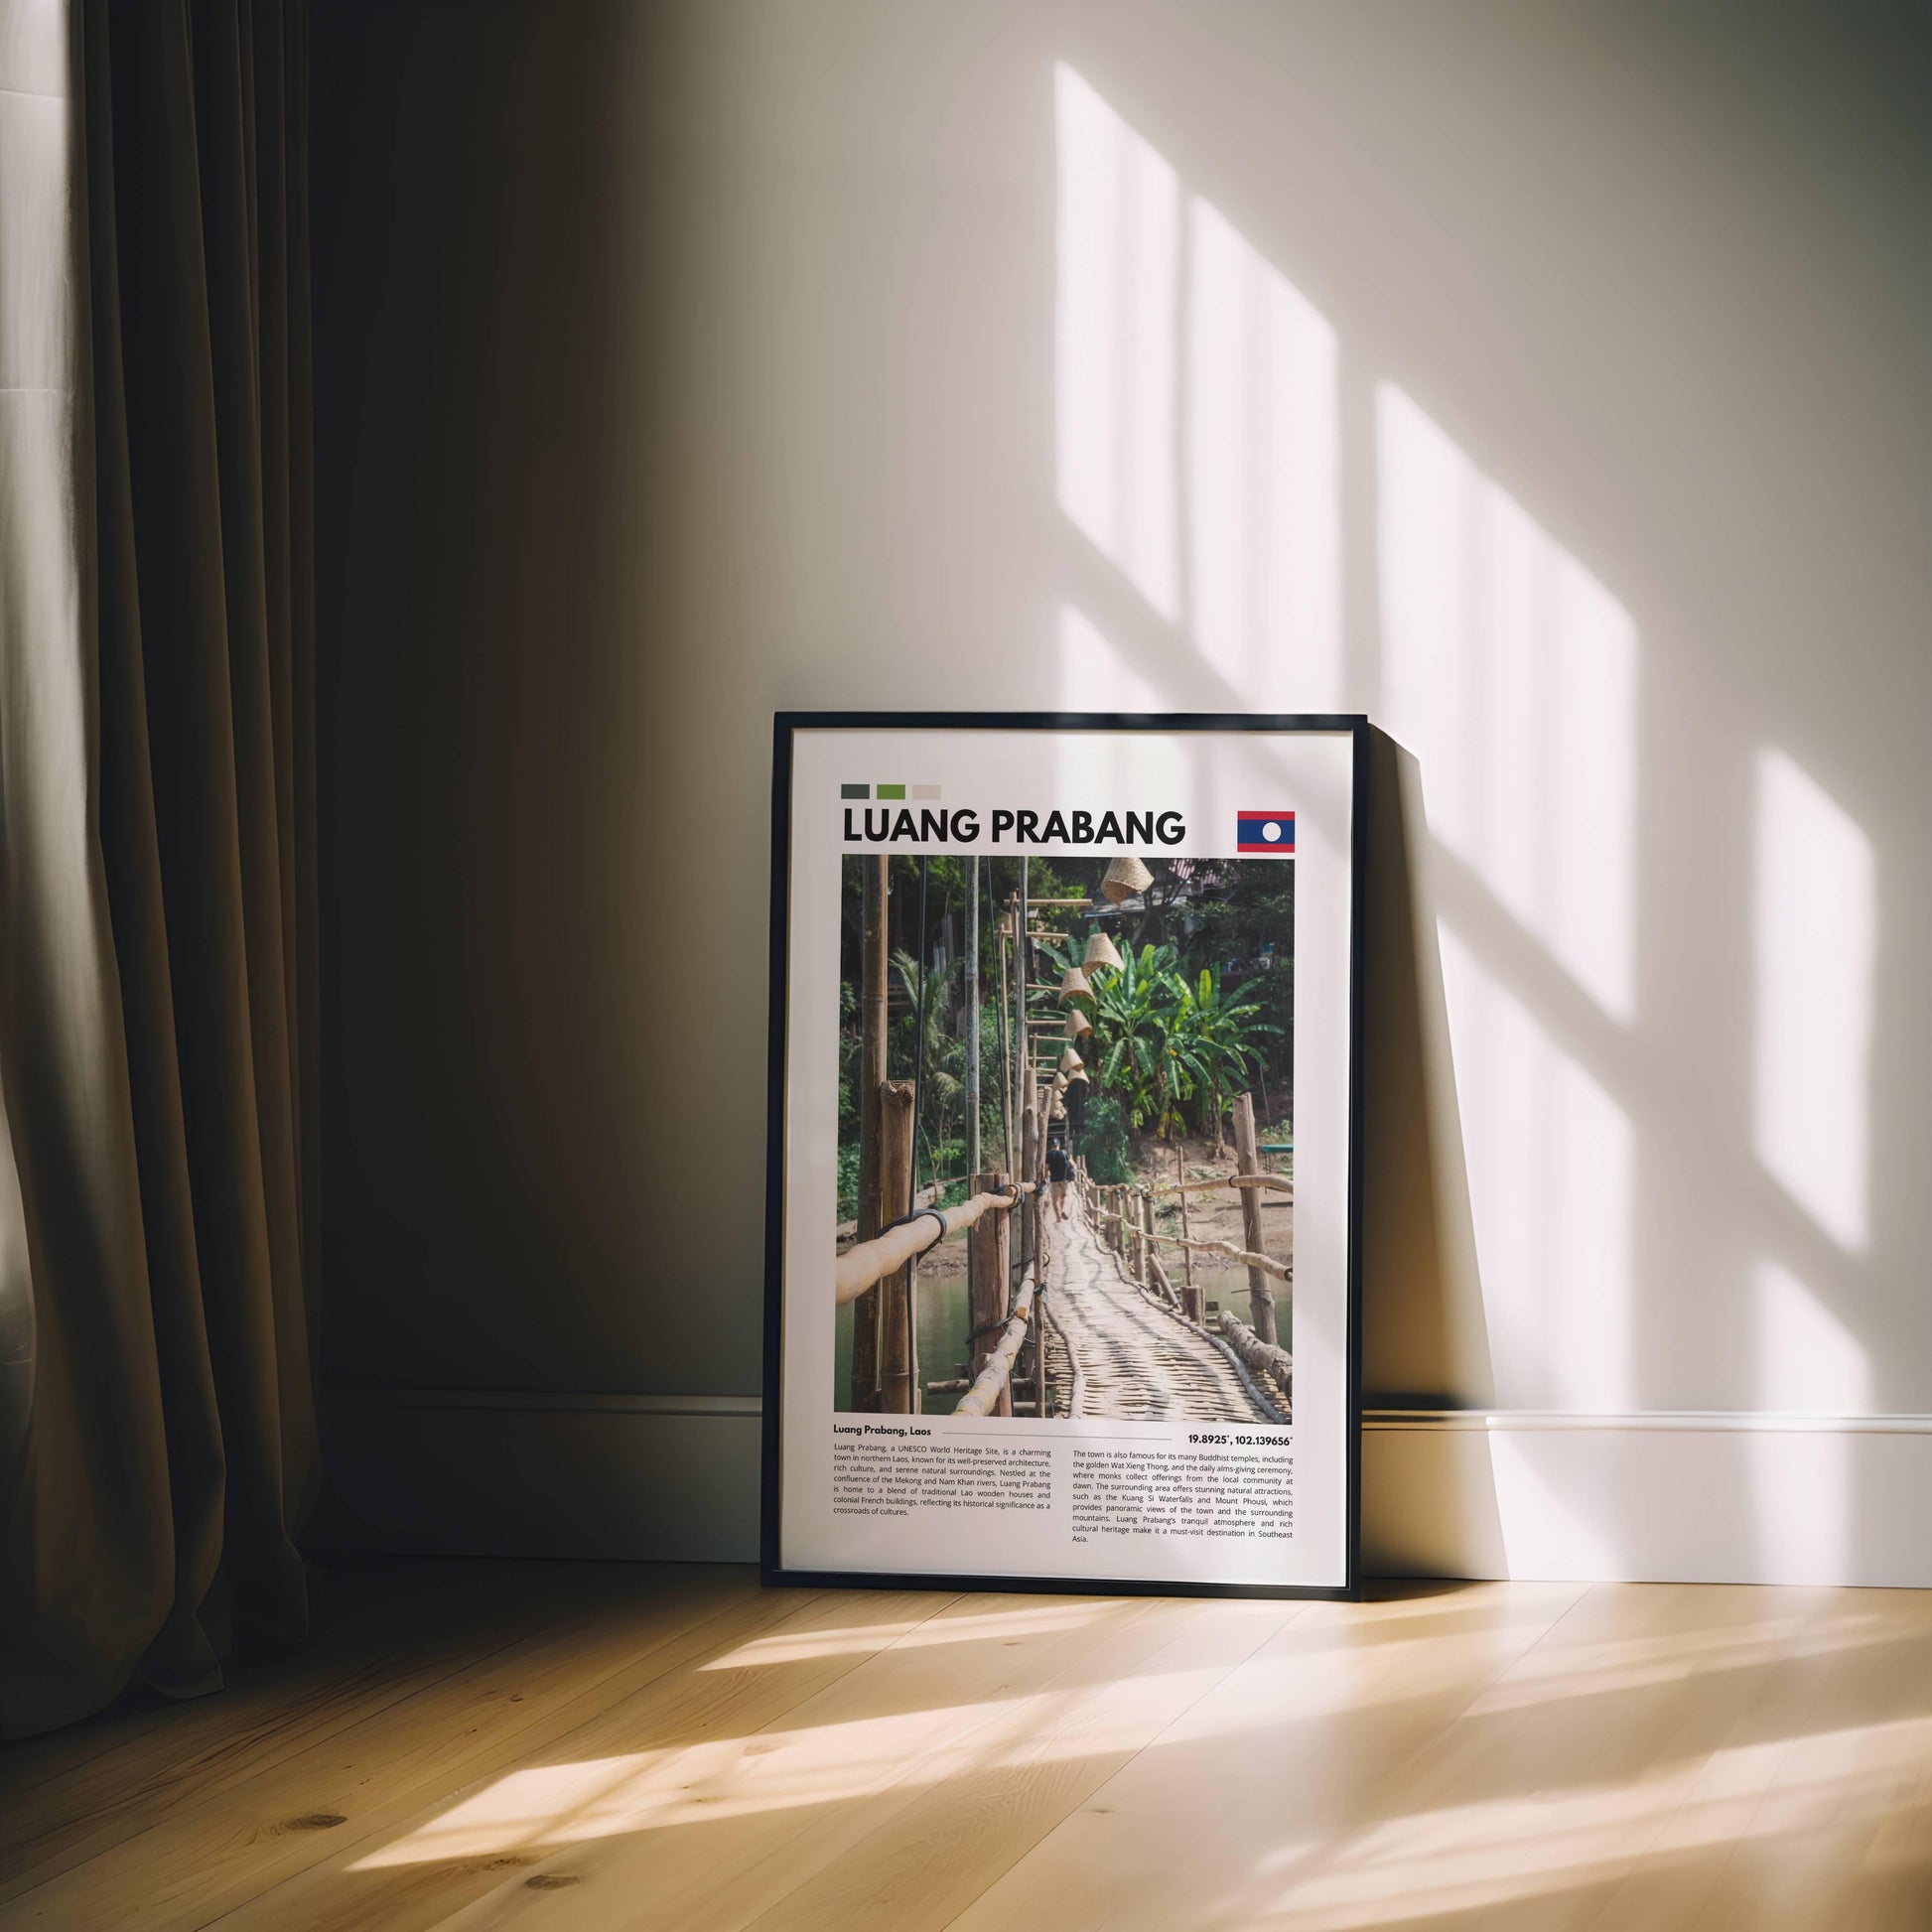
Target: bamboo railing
x=1279 y=1181
x=1248 y=1257
x=862 y=1267
x=981 y=1398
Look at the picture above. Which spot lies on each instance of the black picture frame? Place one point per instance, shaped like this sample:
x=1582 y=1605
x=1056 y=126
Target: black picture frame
x=785 y=726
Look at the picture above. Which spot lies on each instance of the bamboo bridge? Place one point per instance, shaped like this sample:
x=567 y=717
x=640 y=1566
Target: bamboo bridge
x=1095 y=1325
x=1066 y=1318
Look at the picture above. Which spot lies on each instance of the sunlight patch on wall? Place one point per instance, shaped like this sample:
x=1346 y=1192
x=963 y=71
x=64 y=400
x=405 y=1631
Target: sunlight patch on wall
x=1808 y=1360
x=1512 y=675
x=1093 y=674
x=1552 y=1162
x=1119 y=239
x=1264 y=460
x=1817 y=943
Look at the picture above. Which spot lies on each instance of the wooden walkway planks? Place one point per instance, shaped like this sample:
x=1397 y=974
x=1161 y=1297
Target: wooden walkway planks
x=1139 y=1360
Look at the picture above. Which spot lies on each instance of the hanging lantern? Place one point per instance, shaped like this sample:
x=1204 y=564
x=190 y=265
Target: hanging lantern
x=1124 y=878
x=1101 y=952
x=1070 y=1061
x=1080 y=1075
x=1077 y=1023
x=1074 y=982
x=1059 y=1083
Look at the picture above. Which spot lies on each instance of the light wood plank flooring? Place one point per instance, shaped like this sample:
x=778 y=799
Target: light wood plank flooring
x=570 y=1746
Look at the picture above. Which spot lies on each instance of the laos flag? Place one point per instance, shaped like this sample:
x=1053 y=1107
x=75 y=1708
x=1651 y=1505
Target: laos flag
x=1266 y=832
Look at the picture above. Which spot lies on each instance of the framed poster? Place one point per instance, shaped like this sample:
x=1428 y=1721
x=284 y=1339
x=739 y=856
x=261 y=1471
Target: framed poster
x=1063 y=1197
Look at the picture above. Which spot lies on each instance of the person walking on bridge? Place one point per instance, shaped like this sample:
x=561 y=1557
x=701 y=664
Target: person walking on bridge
x=1060 y=1165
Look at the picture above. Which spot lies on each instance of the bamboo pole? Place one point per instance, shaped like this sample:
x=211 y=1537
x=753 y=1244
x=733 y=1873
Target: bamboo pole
x=1023 y=1063
x=1280 y=1182
x=871 y=1261
x=992 y=1390
x=1249 y=1258
x=871 y=1081
x=1006 y=1059
x=898 y=1373
x=1195 y=1300
x=972 y=1015
x=1029 y=1214
x=1261 y=1355
x=988 y=1283
x=1261 y=1293
x=1160 y=1281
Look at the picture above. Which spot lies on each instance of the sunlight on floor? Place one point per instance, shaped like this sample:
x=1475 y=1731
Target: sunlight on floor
x=1491 y=1852
x=787 y=1768
x=990 y=1626
x=1632 y=1663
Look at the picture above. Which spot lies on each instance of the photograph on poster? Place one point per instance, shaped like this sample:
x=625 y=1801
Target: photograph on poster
x=1163 y=1036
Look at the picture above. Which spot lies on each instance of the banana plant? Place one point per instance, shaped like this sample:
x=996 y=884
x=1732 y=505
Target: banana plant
x=1218 y=1039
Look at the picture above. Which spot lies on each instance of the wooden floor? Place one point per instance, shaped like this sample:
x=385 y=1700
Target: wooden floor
x=561 y=1745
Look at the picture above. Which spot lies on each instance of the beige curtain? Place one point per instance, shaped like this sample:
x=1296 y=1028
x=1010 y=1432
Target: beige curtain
x=158 y=1138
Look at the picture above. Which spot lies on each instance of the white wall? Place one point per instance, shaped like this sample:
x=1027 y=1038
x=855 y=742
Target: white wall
x=1548 y=382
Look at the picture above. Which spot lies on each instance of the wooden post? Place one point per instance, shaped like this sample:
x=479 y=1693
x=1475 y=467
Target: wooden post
x=1006 y=1061
x=988 y=1282
x=1142 y=1223
x=1247 y=1159
x=1022 y=1065
x=1029 y=1208
x=1042 y=1369
x=899 y=1377
x=972 y=1015
x=874 y=961
x=1193 y=1302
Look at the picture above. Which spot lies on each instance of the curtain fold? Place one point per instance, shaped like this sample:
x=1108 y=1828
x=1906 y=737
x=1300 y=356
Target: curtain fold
x=157 y=861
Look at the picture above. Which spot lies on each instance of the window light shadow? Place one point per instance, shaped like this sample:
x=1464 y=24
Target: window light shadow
x=1268 y=521
x=1817 y=928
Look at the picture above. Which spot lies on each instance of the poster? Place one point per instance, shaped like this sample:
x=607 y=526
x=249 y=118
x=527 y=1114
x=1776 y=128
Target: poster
x=1062 y=1218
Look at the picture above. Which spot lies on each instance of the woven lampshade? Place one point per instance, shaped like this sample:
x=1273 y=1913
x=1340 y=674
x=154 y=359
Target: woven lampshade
x=1077 y=1023
x=1124 y=878
x=1070 y=1061
x=1101 y=952
x=1081 y=1076
x=1072 y=982
x=1059 y=1083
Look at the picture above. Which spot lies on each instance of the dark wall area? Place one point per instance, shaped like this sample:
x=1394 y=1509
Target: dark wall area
x=495 y=898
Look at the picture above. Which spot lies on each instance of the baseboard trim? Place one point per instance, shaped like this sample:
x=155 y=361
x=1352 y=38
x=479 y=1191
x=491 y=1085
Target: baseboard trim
x=589 y=1402
x=1670 y=1421
x=1692 y=1496
x=544 y=1473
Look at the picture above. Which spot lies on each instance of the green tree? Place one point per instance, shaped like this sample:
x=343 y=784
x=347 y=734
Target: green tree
x=1218 y=1040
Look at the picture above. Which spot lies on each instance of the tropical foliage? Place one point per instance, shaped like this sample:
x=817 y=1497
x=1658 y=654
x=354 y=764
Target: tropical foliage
x=1172 y=1041
x=1168 y=1045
